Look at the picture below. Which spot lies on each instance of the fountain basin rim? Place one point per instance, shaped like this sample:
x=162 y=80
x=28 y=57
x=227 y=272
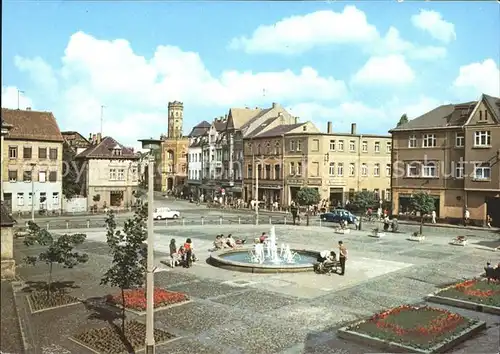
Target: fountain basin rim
x=217 y=260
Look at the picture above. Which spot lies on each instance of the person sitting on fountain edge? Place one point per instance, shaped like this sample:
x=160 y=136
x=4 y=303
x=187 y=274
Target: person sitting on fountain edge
x=263 y=237
x=218 y=243
x=326 y=255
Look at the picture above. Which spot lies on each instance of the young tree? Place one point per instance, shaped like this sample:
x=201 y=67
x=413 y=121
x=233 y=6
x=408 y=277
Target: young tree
x=129 y=253
x=402 y=120
x=423 y=203
x=71 y=186
x=308 y=196
x=362 y=201
x=59 y=251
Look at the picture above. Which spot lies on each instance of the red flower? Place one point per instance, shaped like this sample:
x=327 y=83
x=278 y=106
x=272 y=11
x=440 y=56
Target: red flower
x=466 y=287
x=136 y=298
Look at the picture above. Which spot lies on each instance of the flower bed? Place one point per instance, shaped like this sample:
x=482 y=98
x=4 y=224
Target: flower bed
x=107 y=340
x=39 y=301
x=135 y=299
x=415 y=327
x=474 y=290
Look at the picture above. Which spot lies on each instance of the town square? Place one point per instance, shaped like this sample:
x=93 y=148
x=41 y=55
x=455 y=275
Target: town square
x=250 y=177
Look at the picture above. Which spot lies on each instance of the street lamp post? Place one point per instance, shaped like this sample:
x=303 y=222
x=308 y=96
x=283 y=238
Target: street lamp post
x=151 y=145
x=257 y=194
x=33 y=191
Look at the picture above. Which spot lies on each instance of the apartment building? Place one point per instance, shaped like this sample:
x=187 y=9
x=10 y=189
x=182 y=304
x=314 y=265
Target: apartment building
x=31 y=161
x=171 y=160
x=197 y=139
x=452 y=153
x=5 y=130
x=336 y=164
x=110 y=173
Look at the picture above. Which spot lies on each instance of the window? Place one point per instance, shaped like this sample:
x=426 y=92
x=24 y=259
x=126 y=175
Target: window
x=292 y=145
x=332 y=169
x=42 y=176
x=259 y=171
x=304 y=128
x=364 y=146
x=332 y=145
x=388 y=170
x=315 y=145
x=340 y=169
x=352 y=145
x=364 y=170
x=249 y=171
x=376 y=191
x=13 y=176
x=112 y=174
x=121 y=174
x=341 y=145
x=388 y=147
x=377 y=146
x=268 y=148
x=482 y=171
x=27 y=176
x=53 y=154
x=43 y=197
x=459 y=170
x=429 y=169
x=277 y=149
x=459 y=140
x=30 y=199
x=429 y=140
x=299 y=145
x=42 y=153
x=292 y=168
x=267 y=172
x=299 y=168
x=315 y=169
x=116 y=152
x=277 y=171
x=52 y=176
x=412 y=170
x=134 y=174
x=412 y=141
x=20 y=199
x=27 y=153
x=376 y=170
x=352 y=169
x=387 y=194
x=482 y=138
x=12 y=152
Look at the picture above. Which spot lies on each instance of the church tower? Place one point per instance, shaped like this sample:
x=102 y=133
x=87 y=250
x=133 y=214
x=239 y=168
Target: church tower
x=175 y=118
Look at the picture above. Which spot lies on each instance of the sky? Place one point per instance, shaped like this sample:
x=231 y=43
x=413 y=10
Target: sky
x=345 y=62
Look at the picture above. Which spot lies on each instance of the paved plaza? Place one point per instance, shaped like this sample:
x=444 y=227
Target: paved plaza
x=234 y=312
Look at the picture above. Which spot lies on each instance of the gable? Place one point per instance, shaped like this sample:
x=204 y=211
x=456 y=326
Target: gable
x=483 y=114
x=307 y=127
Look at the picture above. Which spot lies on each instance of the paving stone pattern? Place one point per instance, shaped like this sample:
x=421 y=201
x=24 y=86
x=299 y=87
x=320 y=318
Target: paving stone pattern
x=240 y=313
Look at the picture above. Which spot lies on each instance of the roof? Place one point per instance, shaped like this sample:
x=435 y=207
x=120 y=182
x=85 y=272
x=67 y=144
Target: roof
x=240 y=116
x=69 y=133
x=105 y=150
x=5 y=218
x=199 y=129
x=220 y=125
x=494 y=103
x=31 y=125
x=278 y=131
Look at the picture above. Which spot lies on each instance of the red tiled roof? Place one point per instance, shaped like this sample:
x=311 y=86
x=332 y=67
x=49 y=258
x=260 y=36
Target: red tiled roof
x=31 y=125
x=105 y=150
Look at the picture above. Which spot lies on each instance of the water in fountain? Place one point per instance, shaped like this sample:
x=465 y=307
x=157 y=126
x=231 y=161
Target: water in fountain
x=284 y=256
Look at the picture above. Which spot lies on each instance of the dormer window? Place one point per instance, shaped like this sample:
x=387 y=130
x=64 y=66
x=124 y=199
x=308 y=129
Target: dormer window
x=117 y=151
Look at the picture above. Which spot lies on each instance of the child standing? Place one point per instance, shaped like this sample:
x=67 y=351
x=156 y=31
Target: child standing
x=173 y=253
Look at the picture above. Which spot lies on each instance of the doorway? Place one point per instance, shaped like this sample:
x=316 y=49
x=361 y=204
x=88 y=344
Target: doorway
x=493 y=210
x=7 y=201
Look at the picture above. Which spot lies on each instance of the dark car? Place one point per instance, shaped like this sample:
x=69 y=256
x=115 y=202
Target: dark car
x=339 y=215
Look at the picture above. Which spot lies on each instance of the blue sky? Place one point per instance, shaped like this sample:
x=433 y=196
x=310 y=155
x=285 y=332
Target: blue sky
x=66 y=58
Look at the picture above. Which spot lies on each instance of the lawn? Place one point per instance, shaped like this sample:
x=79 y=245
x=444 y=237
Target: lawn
x=418 y=327
x=475 y=290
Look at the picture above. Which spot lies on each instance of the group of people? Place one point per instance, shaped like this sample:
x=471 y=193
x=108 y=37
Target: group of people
x=328 y=257
x=183 y=256
x=228 y=241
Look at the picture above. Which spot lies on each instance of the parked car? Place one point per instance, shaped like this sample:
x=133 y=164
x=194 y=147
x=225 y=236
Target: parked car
x=165 y=213
x=339 y=215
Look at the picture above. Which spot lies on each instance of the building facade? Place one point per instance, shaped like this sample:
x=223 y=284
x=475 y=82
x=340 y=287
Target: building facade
x=451 y=152
x=171 y=160
x=111 y=174
x=197 y=139
x=32 y=161
x=336 y=164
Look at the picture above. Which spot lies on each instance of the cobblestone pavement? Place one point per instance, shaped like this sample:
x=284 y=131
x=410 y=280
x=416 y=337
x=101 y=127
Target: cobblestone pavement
x=235 y=312
x=10 y=332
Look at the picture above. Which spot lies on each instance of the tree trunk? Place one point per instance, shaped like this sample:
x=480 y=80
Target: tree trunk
x=123 y=311
x=307 y=216
x=49 y=282
x=421 y=224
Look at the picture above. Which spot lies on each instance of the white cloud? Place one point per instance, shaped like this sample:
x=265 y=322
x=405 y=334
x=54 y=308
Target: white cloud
x=432 y=22
x=14 y=98
x=297 y=34
x=135 y=89
x=477 y=78
x=389 y=70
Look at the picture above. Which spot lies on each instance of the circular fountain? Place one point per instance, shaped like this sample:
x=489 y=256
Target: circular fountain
x=265 y=258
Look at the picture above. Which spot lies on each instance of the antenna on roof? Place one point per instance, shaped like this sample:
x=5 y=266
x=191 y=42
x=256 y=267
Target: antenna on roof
x=102 y=116
x=18 y=96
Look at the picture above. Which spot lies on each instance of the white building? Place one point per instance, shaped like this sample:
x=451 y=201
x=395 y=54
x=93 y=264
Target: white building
x=198 y=138
x=32 y=161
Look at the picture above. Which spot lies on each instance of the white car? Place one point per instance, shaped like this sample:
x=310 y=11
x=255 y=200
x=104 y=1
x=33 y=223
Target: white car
x=165 y=213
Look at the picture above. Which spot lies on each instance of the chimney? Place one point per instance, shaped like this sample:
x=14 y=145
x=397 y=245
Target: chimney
x=98 y=138
x=28 y=108
x=93 y=139
x=353 y=128
x=275 y=105
x=329 y=128
x=90 y=137
x=296 y=120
